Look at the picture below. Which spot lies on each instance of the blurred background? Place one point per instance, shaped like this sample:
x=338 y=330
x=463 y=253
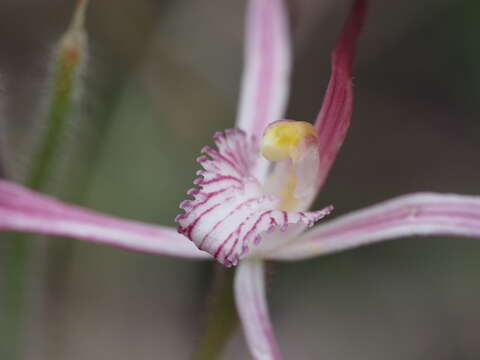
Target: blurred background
x=161 y=77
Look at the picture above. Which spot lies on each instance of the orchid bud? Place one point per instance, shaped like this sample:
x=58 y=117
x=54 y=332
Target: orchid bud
x=69 y=60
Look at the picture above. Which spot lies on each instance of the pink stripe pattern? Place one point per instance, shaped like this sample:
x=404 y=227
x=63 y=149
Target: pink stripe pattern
x=334 y=118
x=420 y=214
x=230 y=210
x=267 y=66
x=266 y=76
x=27 y=211
x=252 y=307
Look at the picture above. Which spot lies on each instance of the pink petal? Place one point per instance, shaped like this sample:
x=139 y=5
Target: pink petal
x=265 y=80
x=230 y=211
x=334 y=119
x=27 y=211
x=408 y=215
x=252 y=308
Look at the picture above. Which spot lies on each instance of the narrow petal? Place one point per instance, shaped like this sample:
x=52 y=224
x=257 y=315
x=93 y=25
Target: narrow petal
x=265 y=80
x=408 y=215
x=230 y=210
x=24 y=210
x=251 y=301
x=334 y=118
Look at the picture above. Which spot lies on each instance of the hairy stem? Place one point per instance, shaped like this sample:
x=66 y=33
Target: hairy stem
x=68 y=62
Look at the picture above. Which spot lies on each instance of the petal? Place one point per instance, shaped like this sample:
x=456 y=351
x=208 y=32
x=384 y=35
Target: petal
x=265 y=80
x=252 y=308
x=230 y=211
x=27 y=211
x=334 y=118
x=408 y=215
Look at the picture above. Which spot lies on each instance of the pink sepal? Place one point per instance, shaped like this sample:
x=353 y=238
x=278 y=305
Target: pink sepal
x=334 y=118
x=266 y=74
x=24 y=210
x=424 y=214
x=251 y=301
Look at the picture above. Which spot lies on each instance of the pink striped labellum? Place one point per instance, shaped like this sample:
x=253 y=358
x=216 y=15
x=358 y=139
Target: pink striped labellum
x=231 y=209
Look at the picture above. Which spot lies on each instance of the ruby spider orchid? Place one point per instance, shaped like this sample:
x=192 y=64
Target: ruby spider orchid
x=251 y=199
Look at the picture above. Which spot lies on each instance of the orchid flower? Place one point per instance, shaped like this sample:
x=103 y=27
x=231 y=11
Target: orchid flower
x=251 y=199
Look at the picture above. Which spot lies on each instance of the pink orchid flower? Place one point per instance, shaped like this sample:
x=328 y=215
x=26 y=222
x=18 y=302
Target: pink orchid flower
x=254 y=192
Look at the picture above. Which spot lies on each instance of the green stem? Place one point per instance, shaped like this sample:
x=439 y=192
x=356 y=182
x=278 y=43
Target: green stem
x=60 y=252
x=69 y=60
x=58 y=122
x=12 y=325
x=222 y=317
x=68 y=63
x=107 y=91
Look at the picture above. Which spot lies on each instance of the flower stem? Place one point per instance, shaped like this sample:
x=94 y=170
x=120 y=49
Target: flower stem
x=222 y=317
x=68 y=62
